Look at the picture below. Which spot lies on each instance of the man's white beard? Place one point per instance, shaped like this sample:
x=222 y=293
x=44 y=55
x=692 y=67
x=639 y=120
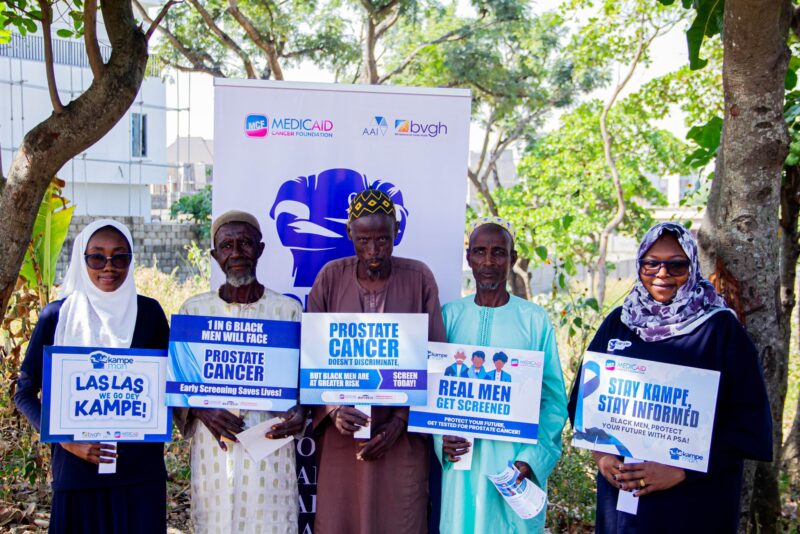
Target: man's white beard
x=239 y=281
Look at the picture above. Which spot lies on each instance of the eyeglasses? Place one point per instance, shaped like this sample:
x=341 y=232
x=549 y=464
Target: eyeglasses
x=674 y=267
x=99 y=261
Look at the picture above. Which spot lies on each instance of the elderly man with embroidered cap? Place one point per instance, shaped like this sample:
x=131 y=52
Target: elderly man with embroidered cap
x=380 y=484
x=494 y=318
x=230 y=491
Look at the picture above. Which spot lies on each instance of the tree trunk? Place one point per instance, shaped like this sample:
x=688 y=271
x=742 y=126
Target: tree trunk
x=742 y=216
x=369 y=74
x=520 y=279
x=49 y=145
x=790 y=251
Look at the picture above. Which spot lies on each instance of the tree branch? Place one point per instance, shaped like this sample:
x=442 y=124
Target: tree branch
x=385 y=9
x=159 y=18
x=199 y=60
x=485 y=145
x=447 y=37
x=96 y=62
x=389 y=21
x=52 y=87
x=484 y=192
x=225 y=39
x=264 y=44
x=619 y=215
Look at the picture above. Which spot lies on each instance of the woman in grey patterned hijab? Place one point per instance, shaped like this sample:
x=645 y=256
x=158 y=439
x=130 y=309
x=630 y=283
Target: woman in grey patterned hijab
x=670 y=298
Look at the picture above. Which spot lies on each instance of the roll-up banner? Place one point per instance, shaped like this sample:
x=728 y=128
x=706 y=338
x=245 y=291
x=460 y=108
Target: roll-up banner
x=294 y=154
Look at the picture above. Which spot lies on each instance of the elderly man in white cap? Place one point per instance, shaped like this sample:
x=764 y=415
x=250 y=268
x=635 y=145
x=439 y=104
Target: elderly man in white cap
x=231 y=492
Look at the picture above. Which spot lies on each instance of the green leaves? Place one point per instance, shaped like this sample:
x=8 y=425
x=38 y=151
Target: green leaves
x=707 y=136
x=707 y=23
x=49 y=232
x=197 y=208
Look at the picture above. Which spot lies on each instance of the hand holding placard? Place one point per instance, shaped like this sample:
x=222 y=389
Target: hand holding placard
x=382 y=440
x=222 y=424
x=349 y=420
x=459 y=451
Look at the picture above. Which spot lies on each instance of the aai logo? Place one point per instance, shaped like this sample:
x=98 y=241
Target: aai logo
x=514 y=362
x=611 y=365
x=256 y=126
x=376 y=128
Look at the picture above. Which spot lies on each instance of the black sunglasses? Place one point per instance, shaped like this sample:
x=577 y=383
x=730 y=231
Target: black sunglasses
x=674 y=267
x=99 y=261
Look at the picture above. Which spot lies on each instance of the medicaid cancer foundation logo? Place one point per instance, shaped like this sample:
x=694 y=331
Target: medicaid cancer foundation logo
x=634 y=368
x=256 y=125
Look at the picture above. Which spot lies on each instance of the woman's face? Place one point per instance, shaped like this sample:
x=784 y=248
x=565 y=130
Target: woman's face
x=107 y=242
x=662 y=285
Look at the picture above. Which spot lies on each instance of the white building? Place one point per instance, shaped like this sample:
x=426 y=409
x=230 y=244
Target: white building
x=191 y=161
x=113 y=177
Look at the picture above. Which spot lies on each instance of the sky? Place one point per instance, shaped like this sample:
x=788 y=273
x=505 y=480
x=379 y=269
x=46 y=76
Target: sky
x=193 y=93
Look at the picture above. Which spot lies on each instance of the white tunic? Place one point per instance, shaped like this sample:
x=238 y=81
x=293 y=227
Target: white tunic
x=231 y=492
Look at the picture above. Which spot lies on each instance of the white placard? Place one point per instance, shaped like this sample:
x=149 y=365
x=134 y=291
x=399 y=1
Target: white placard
x=647 y=410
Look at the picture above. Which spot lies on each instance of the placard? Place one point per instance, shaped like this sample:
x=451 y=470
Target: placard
x=646 y=410
x=228 y=362
x=364 y=358
x=481 y=392
x=99 y=394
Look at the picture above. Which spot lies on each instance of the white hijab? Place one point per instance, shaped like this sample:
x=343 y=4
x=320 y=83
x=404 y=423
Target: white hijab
x=90 y=317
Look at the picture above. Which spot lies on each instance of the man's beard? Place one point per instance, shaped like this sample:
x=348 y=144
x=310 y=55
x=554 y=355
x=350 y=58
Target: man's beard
x=239 y=281
x=374 y=274
x=491 y=286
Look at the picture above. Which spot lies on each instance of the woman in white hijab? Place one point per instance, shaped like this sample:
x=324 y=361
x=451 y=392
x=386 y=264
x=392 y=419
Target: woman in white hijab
x=99 y=307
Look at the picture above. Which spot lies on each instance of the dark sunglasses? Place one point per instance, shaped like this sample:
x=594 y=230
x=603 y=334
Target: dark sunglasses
x=99 y=261
x=674 y=267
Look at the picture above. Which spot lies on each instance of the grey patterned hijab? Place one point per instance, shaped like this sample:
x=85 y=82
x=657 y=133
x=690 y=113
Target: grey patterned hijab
x=694 y=303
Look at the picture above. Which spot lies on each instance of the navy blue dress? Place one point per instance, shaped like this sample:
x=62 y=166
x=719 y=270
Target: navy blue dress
x=133 y=500
x=704 y=502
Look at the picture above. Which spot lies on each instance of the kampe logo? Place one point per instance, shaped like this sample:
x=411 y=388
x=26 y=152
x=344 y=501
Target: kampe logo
x=98 y=359
x=617 y=344
x=677 y=454
x=256 y=126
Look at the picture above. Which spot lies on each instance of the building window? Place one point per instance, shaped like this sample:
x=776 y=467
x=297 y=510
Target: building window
x=139 y=135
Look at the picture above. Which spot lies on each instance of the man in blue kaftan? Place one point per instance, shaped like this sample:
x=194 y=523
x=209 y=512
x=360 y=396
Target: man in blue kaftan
x=494 y=318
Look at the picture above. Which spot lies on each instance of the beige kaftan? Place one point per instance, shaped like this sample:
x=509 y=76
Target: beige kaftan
x=231 y=492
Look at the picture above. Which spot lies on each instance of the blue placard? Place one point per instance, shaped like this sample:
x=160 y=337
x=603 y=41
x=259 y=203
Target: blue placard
x=99 y=394
x=229 y=362
x=366 y=358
